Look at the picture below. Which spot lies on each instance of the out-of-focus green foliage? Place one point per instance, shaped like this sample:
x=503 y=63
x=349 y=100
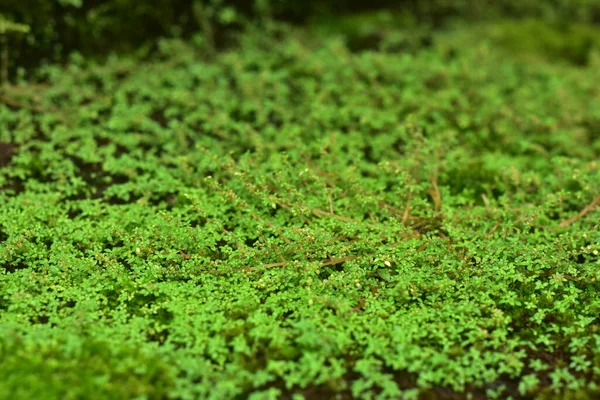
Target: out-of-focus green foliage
x=59 y=27
x=417 y=216
x=534 y=40
x=7 y=27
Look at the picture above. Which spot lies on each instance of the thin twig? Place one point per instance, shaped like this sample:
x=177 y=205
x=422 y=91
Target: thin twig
x=493 y=229
x=331 y=261
x=435 y=194
x=590 y=207
x=279 y=264
x=372 y=218
x=485 y=199
x=318 y=212
x=16 y=104
x=406 y=213
x=335 y=261
x=322 y=213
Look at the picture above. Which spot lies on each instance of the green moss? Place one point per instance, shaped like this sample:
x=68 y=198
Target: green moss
x=296 y=217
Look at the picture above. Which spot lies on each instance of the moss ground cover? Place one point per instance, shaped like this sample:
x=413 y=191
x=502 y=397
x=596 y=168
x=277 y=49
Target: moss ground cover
x=303 y=218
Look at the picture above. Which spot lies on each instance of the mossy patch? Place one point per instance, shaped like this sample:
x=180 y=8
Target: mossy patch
x=298 y=218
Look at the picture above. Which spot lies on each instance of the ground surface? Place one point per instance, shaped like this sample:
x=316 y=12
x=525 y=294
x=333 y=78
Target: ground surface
x=399 y=214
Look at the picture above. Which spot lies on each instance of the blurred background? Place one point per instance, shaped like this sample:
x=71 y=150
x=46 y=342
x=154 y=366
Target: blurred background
x=34 y=32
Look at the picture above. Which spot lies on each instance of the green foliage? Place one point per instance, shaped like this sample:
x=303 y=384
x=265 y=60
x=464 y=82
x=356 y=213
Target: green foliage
x=585 y=11
x=302 y=217
x=60 y=27
x=7 y=26
x=557 y=42
x=78 y=367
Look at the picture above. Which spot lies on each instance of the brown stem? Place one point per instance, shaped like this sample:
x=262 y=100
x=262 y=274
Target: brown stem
x=590 y=207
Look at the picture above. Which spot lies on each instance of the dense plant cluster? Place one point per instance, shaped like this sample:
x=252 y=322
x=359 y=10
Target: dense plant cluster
x=300 y=218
